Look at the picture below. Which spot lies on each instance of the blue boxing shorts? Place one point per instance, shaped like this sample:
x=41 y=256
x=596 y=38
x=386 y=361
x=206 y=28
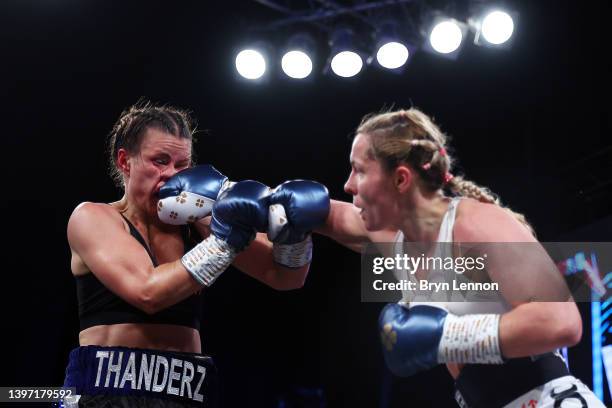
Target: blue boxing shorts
x=129 y=377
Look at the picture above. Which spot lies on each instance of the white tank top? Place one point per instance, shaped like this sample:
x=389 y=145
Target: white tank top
x=459 y=304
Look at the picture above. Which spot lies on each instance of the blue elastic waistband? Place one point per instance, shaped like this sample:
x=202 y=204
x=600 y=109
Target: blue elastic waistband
x=123 y=371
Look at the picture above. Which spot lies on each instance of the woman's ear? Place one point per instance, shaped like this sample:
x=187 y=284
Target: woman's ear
x=402 y=179
x=123 y=161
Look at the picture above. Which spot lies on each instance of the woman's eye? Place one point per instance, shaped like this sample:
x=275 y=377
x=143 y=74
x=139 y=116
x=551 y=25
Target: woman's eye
x=160 y=161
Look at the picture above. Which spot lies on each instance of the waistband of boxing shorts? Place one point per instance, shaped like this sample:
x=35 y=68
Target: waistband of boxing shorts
x=124 y=371
x=492 y=385
x=556 y=392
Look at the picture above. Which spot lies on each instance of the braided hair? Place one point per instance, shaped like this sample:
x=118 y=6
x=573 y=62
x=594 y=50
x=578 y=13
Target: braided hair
x=411 y=137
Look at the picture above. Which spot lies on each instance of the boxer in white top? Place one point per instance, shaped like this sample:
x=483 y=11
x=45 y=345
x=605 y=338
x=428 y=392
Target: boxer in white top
x=399 y=170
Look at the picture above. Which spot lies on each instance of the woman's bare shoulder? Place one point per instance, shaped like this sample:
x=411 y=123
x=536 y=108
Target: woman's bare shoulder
x=485 y=222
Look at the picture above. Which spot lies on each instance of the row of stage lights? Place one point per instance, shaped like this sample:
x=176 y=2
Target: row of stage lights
x=445 y=38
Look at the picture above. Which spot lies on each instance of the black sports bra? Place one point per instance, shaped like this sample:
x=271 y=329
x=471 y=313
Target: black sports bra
x=98 y=305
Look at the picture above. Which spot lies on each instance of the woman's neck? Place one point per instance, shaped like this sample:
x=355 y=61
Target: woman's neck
x=140 y=219
x=131 y=212
x=422 y=219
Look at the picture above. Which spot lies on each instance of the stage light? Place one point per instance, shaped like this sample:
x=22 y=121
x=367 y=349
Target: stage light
x=395 y=42
x=297 y=62
x=346 y=64
x=346 y=61
x=392 y=55
x=494 y=28
x=392 y=51
x=497 y=27
x=446 y=36
x=250 y=64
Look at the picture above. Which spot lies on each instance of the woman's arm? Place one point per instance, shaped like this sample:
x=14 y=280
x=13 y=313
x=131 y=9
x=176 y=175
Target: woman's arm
x=539 y=327
x=543 y=315
x=345 y=225
x=257 y=261
x=97 y=235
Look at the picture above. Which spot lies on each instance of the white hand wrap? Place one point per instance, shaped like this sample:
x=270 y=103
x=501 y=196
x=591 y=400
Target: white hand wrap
x=207 y=260
x=293 y=255
x=470 y=339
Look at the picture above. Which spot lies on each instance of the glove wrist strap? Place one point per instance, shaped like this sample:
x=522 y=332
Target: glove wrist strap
x=207 y=260
x=470 y=339
x=293 y=255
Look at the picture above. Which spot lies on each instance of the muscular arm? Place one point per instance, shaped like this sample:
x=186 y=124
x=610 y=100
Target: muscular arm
x=539 y=327
x=344 y=225
x=97 y=235
x=257 y=261
x=529 y=280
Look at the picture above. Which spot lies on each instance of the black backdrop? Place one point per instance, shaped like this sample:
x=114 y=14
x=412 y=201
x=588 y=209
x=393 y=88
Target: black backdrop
x=520 y=121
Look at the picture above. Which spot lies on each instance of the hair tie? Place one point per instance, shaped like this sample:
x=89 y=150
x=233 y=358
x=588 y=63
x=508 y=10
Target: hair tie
x=448 y=177
x=442 y=151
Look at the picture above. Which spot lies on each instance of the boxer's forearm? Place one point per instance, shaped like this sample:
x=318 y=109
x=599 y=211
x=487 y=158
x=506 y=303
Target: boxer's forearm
x=345 y=226
x=539 y=327
x=166 y=285
x=282 y=278
x=172 y=282
x=257 y=261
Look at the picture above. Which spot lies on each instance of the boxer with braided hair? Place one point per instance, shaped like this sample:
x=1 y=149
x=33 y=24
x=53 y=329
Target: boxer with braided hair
x=410 y=135
x=501 y=353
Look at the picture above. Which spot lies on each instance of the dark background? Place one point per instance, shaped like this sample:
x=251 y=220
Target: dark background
x=531 y=122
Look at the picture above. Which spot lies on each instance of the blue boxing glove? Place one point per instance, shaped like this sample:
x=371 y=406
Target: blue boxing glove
x=239 y=211
x=420 y=337
x=296 y=208
x=190 y=194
